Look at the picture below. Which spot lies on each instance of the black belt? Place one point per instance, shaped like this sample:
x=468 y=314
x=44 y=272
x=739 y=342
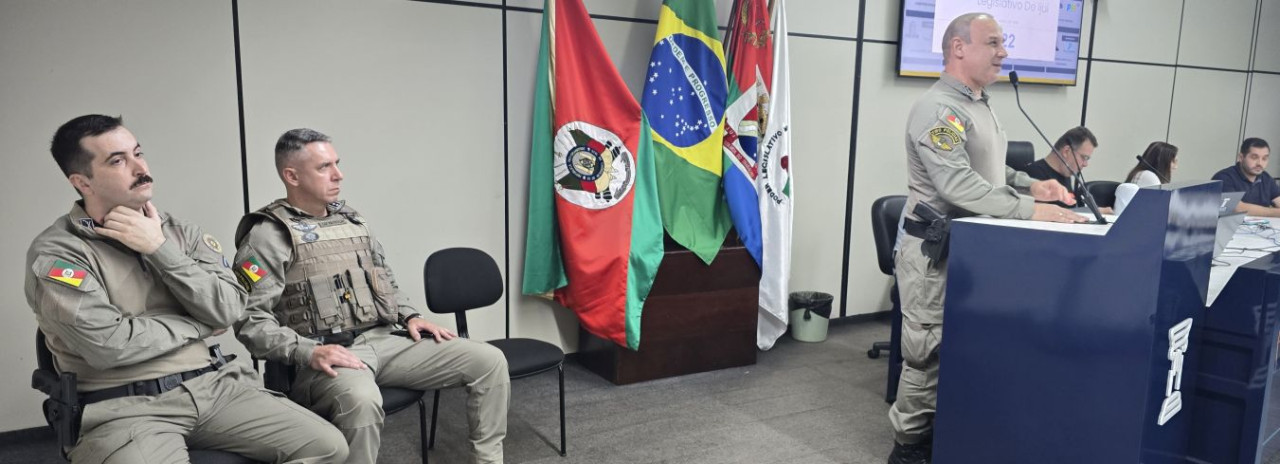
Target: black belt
x=151 y=387
x=344 y=338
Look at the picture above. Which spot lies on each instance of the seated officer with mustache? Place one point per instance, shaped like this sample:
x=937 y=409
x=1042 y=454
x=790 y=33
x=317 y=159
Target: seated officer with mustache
x=126 y=296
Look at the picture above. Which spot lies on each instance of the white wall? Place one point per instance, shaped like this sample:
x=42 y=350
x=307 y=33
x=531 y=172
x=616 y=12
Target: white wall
x=413 y=94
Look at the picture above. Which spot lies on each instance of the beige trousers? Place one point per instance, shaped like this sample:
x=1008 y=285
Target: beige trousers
x=921 y=291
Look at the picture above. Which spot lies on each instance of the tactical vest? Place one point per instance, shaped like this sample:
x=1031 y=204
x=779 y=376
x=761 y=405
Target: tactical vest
x=336 y=282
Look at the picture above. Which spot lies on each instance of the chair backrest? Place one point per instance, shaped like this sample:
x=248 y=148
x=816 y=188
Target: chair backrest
x=1103 y=191
x=1019 y=154
x=885 y=212
x=460 y=279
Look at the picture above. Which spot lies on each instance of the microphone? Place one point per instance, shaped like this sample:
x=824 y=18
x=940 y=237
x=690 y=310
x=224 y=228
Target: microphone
x=1075 y=173
x=1153 y=169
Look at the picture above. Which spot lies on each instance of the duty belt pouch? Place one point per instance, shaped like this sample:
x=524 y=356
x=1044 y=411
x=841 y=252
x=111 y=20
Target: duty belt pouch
x=937 y=233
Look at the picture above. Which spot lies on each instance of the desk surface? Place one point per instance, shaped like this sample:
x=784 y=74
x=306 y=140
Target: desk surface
x=1249 y=243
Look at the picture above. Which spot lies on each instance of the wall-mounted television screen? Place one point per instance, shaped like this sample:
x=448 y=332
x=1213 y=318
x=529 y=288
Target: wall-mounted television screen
x=1042 y=36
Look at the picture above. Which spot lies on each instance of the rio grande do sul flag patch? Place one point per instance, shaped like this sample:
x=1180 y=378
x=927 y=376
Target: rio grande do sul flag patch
x=67 y=273
x=252 y=269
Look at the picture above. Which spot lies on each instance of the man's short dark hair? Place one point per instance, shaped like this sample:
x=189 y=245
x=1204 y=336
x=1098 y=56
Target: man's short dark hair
x=72 y=158
x=1252 y=142
x=1076 y=137
x=292 y=142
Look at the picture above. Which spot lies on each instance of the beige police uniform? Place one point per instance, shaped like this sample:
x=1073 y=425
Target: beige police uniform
x=114 y=317
x=311 y=277
x=955 y=164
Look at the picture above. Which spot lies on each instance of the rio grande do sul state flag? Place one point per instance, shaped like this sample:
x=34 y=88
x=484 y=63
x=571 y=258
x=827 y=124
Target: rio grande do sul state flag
x=594 y=237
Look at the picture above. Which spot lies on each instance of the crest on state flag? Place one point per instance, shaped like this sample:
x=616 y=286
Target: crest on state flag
x=745 y=119
x=593 y=167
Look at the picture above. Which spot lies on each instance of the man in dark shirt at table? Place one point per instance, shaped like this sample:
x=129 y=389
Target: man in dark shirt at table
x=1249 y=175
x=1076 y=147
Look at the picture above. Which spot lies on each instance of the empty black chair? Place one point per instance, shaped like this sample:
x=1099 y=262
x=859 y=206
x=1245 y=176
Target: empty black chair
x=280 y=376
x=885 y=213
x=1103 y=191
x=61 y=388
x=1019 y=154
x=460 y=279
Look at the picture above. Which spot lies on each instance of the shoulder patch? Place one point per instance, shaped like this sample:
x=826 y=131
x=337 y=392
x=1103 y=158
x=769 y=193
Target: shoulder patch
x=945 y=138
x=212 y=243
x=951 y=118
x=252 y=270
x=67 y=273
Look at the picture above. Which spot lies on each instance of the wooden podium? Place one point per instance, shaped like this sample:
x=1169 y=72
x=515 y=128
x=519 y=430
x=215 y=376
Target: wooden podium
x=697 y=318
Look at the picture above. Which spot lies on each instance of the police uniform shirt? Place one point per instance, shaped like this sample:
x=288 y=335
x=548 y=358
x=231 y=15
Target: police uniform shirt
x=115 y=316
x=1261 y=191
x=955 y=156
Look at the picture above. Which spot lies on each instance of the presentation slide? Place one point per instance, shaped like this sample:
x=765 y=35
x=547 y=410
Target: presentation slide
x=1042 y=36
x=1030 y=26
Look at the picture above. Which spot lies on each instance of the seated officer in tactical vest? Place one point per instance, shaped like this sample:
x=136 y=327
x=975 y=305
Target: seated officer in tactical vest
x=125 y=296
x=322 y=298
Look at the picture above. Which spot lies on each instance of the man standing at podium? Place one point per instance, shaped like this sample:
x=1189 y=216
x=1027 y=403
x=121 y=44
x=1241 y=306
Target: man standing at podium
x=955 y=162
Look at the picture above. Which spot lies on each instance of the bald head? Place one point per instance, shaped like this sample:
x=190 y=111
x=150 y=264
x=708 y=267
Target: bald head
x=960 y=28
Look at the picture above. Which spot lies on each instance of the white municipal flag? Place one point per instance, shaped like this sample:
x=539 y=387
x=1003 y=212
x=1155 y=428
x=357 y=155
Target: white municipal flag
x=774 y=187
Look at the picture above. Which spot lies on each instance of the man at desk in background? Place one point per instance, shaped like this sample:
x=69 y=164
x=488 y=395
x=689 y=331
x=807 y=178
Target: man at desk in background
x=126 y=296
x=955 y=168
x=1076 y=146
x=1249 y=175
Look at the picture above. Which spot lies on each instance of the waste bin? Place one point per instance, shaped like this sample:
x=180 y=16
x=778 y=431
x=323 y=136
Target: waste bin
x=810 y=314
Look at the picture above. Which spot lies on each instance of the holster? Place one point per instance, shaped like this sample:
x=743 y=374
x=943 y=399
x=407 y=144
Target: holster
x=62 y=411
x=934 y=229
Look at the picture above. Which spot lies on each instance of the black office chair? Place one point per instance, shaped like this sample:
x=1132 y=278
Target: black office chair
x=1103 y=191
x=1019 y=154
x=885 y=213
x=461 y=279
x=280 y=376
x=63 y=400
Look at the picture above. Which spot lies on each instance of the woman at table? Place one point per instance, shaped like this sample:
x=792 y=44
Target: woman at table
x=1155 y=167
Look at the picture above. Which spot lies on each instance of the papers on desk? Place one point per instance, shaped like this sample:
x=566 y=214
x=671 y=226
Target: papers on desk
x=1256 y=238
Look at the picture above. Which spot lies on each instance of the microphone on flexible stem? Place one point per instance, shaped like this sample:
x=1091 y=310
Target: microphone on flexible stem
x=1153 y=169
x=1087 y=197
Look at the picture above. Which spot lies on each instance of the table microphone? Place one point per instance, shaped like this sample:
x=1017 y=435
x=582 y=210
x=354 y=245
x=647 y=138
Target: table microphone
x=1153 y=169
x=1077 y=174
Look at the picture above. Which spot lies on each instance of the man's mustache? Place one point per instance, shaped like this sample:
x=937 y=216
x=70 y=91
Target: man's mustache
x=142 y=180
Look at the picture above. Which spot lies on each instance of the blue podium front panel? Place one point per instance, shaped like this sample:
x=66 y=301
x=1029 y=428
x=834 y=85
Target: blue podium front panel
x=1068 y=346
x=1233 y=417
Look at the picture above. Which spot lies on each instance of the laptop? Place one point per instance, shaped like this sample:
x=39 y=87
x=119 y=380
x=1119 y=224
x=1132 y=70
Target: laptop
x=1227 y=226
x=1229 y=202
